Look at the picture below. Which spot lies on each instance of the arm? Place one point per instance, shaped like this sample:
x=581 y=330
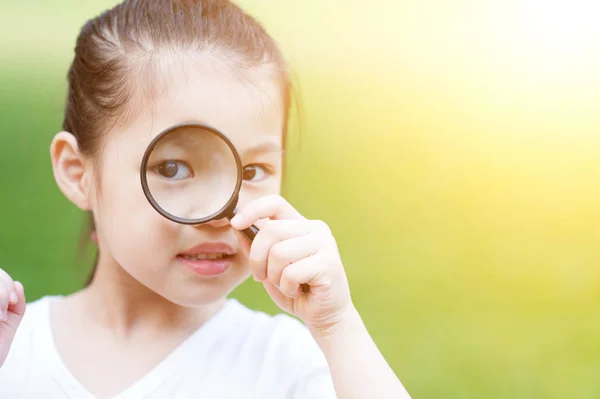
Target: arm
x=298 y=262
x=357 y=367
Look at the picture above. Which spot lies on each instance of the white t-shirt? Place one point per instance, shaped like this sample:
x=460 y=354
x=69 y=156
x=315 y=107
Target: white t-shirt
x=238 y=353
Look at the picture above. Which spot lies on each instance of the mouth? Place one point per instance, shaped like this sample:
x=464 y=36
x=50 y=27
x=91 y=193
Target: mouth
x=208 y=259
x=209 y=249
x=206 y=256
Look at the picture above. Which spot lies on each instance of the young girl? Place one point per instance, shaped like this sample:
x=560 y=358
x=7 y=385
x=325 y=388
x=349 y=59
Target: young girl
x=147 y=326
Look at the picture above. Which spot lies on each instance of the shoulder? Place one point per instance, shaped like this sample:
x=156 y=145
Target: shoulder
x=35 y=321
x=39 y=307
x=37 y=314
x=286 y=351
x=280 y=331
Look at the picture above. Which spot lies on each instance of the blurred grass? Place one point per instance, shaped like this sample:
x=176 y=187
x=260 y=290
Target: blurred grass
x=461 y=182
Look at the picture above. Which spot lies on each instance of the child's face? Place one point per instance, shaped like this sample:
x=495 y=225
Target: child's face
x=145 y=244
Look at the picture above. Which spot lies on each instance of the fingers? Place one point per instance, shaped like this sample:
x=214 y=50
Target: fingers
x=8 y=294
x=272 y=206
x=305 y=271
x=284 y=253
x=287 y=240
x=18 y=308
x=272 y=232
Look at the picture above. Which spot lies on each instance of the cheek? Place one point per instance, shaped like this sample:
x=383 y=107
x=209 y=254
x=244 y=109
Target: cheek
x=249 y=193
x=135 y=234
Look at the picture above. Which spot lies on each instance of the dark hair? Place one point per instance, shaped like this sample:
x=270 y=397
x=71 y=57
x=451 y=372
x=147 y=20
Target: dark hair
x=116 y=51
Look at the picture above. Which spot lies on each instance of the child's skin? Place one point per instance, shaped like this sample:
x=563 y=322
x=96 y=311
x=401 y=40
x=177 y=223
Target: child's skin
x=142 y=303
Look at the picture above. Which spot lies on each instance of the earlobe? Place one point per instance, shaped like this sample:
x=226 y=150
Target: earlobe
x=70 y=169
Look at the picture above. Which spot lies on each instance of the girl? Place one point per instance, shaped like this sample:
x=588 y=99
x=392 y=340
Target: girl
x=147 y=326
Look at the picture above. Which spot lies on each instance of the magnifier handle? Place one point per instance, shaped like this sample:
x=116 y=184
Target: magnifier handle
x=250 y=232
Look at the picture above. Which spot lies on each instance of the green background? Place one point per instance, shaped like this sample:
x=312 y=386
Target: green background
x=450 y=147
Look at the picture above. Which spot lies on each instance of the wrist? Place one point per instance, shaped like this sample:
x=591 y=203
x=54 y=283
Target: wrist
x=344 y=325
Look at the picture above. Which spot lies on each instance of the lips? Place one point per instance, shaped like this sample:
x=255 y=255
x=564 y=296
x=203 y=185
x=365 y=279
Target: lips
x=205 y=256
x=209 y=249
x=208 y=259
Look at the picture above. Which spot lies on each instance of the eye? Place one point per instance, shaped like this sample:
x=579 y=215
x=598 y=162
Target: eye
x=174 y=170
x=255 y=172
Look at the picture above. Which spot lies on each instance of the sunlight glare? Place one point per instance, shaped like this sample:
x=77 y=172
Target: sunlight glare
x=565 y=27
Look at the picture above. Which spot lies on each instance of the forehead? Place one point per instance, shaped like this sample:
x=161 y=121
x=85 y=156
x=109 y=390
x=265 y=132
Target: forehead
x=245 y=106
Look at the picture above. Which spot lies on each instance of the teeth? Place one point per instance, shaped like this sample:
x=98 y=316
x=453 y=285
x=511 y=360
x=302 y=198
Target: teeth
x=207 y=256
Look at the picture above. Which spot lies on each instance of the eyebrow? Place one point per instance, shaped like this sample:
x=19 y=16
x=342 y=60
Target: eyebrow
x=267 y=146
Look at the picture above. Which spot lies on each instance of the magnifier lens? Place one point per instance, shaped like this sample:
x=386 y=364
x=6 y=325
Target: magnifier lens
x=192 y=173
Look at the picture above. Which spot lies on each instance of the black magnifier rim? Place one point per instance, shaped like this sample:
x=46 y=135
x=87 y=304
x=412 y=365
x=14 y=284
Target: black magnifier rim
x=226 y=209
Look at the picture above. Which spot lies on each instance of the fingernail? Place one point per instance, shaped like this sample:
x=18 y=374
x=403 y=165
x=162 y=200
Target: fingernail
x=2 y=316
x=13 y=298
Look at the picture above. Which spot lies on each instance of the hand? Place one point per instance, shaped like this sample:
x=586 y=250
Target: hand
x=12 y=309
x=289 y=253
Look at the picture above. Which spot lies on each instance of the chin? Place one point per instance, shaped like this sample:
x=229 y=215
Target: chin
x=195 y=301
x=206 y=291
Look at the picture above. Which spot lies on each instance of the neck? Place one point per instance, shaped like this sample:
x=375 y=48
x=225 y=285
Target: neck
x=116 y=300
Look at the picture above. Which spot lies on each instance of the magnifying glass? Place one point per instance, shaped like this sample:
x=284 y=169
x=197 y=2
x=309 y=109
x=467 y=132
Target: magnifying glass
x=191 y=174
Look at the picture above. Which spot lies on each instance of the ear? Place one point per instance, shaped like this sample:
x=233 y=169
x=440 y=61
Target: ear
x=71 y=171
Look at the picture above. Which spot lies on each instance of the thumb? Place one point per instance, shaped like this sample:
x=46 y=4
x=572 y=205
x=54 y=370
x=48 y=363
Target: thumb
x=17 y=310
